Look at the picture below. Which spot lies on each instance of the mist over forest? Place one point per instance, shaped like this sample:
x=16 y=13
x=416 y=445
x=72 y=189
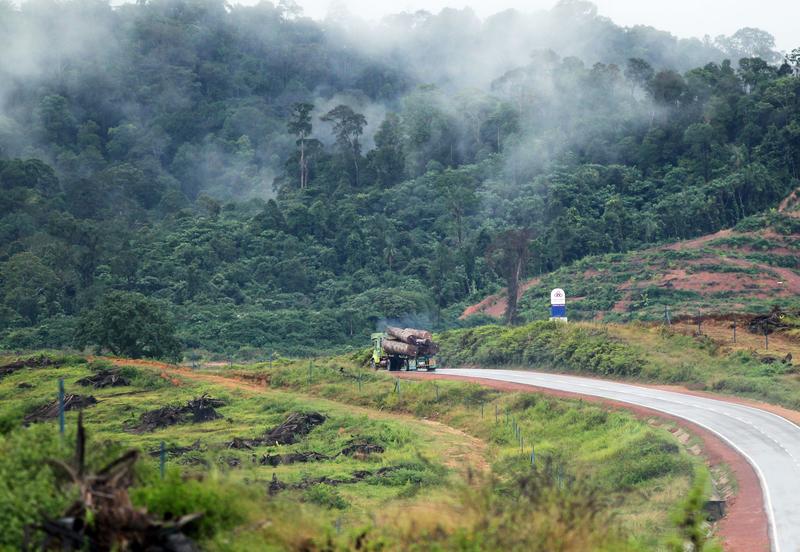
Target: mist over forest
x=275 y=182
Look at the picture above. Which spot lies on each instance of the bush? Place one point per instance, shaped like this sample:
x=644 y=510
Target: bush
x=222 y=509
x=129 y=324
x=542 y=344
x=326 y=496
x=28 y=487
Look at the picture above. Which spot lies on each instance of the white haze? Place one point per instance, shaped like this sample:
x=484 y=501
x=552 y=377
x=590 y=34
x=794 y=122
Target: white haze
x=683 y=18
x=460 y=53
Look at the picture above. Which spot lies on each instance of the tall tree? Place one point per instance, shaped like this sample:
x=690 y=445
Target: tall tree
x=300 y=125
x=347 y=127
x=508 y=254
x=639 y=73
x=129 y=324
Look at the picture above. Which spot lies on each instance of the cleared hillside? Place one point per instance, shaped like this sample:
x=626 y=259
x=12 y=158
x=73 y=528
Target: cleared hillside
x=743 y=270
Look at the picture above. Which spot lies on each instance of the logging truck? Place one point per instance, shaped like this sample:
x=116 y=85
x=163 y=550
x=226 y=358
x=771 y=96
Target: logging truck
x=403 y=349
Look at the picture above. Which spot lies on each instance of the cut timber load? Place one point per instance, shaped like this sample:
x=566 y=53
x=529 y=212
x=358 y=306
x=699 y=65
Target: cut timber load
x=404 y=348
x=399 y=348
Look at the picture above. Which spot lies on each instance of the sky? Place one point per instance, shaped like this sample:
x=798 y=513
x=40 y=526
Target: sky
x=683 y=18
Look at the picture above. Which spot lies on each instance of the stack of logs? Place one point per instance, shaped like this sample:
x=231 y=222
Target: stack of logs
x=409 y=342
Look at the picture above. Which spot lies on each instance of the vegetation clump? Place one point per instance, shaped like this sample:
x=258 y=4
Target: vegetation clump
x=542 y=344
x=198 y=410
x=51 y=410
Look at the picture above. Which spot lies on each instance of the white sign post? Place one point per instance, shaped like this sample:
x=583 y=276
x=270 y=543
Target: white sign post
x=558 y=305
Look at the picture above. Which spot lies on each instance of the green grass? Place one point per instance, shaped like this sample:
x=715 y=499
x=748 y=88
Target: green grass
x=637 y=468
x=628 y=351
x=457 y=480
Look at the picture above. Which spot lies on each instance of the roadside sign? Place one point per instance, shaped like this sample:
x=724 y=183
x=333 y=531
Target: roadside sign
x=558 y=305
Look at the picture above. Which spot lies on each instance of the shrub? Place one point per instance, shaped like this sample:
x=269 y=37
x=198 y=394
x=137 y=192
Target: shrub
x=645 y=458
x=173 y=496
x=28 y=487
x=326 y=496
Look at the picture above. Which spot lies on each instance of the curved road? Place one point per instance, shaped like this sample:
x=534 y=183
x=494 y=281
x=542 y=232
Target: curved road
x=770 y=443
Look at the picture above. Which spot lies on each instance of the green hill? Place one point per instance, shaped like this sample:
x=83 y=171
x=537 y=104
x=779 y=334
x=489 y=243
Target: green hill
x=744 y=270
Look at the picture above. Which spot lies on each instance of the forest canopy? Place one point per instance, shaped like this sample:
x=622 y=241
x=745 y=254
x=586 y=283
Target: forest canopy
x=272 y=182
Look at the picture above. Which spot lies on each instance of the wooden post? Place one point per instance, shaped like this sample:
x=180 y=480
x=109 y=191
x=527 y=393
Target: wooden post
x=61 y=406
x=734 y=330
x=162 y=456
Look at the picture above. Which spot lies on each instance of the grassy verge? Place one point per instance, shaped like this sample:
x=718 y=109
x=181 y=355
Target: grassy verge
x=638 y=470
x=632 y=351
x=603 y=480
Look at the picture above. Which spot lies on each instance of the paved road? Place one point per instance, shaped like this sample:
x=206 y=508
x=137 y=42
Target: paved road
x=770 y=443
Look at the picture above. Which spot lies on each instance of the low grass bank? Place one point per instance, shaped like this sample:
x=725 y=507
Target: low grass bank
x=630 y=352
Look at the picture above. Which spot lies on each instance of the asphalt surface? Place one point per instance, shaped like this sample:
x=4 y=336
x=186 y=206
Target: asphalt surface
x=769 y=442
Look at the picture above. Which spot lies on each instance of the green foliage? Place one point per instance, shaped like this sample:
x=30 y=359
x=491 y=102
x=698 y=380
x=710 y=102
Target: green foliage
x=28 y=487
x=542 y=344
x=642 y=460
x=325 y=496
x=176 y=496
x=386 y=189
x=690 y=519
x=131 y=325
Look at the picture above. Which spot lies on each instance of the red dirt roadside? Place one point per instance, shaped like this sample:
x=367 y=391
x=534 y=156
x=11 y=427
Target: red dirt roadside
x=745 y=525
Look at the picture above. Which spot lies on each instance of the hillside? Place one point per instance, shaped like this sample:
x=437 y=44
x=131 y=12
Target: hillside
x=747 y=269
x=265 y=182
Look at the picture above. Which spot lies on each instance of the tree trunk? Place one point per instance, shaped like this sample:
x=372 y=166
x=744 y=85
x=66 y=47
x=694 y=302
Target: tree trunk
x=355 y=163
x=303 y=165
x=513 y=292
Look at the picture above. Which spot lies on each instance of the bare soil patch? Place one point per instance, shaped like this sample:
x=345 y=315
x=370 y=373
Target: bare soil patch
x=495 y=305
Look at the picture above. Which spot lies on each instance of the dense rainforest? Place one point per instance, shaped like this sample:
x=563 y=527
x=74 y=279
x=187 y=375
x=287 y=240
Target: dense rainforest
x=270 y=182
